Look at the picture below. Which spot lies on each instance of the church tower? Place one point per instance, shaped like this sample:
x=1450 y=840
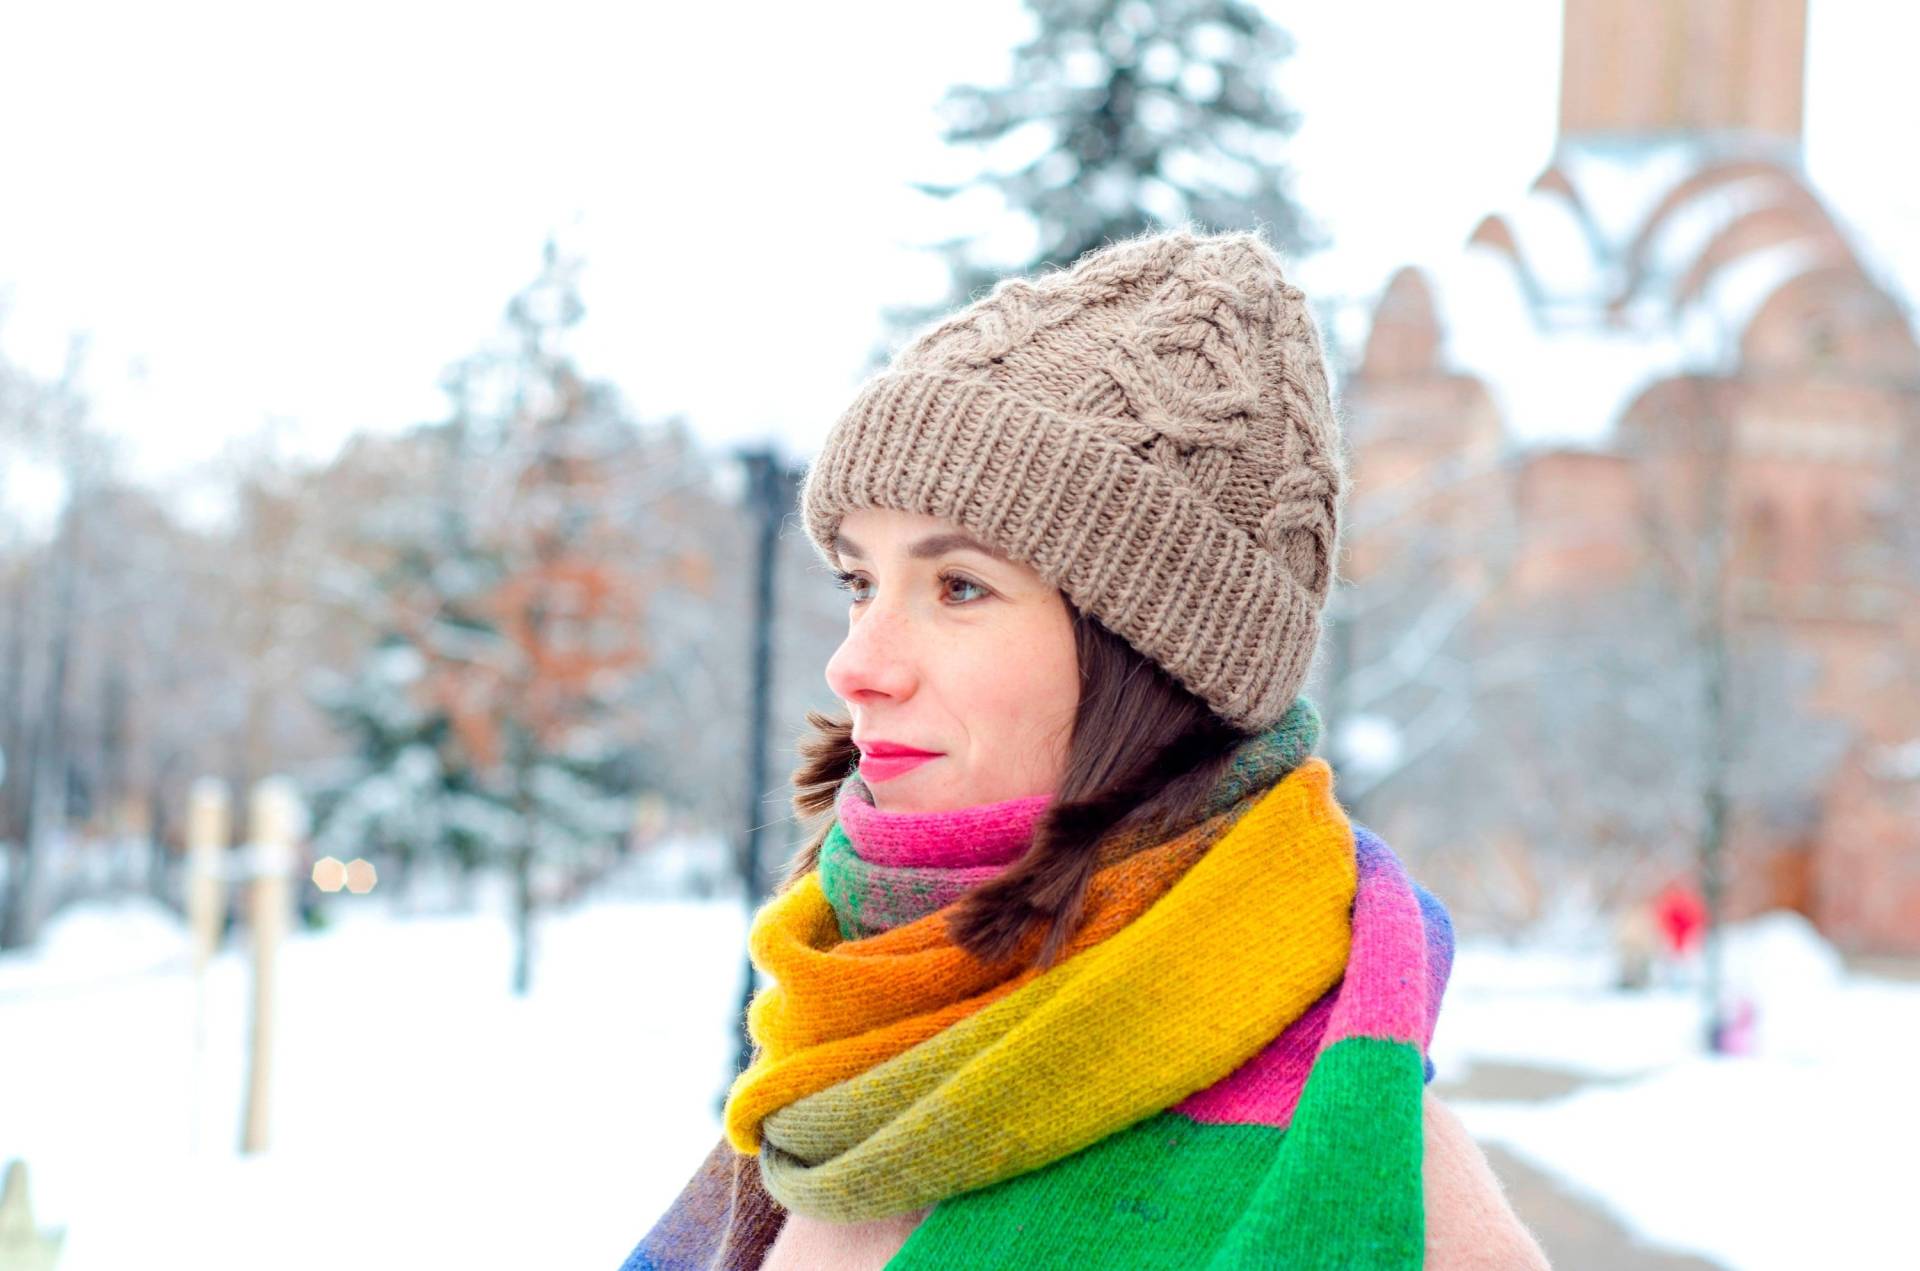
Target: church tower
x=1683 y=66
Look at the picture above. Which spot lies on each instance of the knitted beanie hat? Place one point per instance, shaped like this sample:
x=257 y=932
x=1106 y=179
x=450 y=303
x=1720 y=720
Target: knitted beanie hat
x=1150 y=430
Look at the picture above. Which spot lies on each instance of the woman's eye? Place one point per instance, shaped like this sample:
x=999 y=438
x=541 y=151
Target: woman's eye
x=950 y=579
x=850 y=583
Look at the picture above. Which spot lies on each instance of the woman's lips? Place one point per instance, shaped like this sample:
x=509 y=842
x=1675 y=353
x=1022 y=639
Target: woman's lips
x=887 y=767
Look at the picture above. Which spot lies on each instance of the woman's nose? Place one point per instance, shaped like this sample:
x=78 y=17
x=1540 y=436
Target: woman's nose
x=877 y=658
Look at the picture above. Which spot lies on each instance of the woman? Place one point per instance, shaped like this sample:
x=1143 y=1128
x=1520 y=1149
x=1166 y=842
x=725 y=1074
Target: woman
x=1084 y=964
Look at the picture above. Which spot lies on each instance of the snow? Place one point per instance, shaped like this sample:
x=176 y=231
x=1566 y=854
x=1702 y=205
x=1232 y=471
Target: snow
x=1790 y=1156
x=78 y=946
x=1574 y=1019
x=423 y=1116
x=1621 y=180
x=1712 y=327
x=1752 y=1164
x=1564 y=386
x=687 y=865
x=1368 y=742
x=1687 y=231
x=1554 y=246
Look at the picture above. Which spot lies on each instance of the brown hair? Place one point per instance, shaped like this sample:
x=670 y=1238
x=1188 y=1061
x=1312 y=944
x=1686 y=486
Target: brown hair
x=1144 y=752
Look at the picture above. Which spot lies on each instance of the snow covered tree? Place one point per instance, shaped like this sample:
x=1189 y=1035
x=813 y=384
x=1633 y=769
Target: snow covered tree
x=45 y=602
x=1121 y=116
x=512 y=597
x=402 y=792
x=565 y=609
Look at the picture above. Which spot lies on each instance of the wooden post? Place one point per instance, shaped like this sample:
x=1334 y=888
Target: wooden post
x=23 y=1245
x=208 y=831
x=272 y=819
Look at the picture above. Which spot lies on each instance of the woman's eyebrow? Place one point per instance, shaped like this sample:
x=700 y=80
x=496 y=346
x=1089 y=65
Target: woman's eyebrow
x=933 y=545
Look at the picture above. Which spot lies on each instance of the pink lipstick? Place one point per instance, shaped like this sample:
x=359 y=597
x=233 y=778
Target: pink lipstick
x=885 y=760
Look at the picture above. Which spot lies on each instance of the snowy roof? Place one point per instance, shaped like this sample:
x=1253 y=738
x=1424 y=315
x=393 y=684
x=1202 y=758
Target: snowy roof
x=1562 y=386
x=1613 y=272
x=1619 y=181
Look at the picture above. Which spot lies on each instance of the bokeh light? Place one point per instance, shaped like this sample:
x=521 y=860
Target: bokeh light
x=329 y=874
x=360 y=876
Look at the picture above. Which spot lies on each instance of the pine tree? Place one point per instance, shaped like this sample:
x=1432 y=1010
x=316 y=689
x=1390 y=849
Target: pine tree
x=512 y=590
x=1125 y=116
x=402 y=791
x=557 y=608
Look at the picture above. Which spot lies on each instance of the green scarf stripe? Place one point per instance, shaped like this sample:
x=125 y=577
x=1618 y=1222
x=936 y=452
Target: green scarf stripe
x=1339 y=1189
x=1150 y=1196
x=869 y=898
x=1346 y=1190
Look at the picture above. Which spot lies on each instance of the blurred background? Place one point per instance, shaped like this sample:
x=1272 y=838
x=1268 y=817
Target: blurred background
x=404 y=632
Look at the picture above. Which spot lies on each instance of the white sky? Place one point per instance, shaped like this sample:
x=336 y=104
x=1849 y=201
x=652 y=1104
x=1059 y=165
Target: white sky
x=304 y=215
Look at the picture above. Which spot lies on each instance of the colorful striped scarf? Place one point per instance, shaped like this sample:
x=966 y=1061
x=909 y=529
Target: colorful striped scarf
x=881 y=870
x=1226 y=1070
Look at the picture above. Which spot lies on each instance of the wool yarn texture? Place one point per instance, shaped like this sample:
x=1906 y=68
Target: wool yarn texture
x=907 y=865
x=1151 y=430
x=1226 y=1070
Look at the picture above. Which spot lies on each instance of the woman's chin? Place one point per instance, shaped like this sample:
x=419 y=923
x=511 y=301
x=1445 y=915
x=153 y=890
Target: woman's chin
x=904 y=794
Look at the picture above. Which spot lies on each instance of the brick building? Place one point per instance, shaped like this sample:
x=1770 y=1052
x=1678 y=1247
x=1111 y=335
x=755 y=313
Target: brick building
x=1667 y=345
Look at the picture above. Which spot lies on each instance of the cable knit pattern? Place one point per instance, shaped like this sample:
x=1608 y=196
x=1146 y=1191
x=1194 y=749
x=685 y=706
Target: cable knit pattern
x=1151 y=430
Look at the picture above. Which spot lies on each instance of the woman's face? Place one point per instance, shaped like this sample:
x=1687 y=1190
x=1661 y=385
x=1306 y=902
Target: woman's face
x=955 y=651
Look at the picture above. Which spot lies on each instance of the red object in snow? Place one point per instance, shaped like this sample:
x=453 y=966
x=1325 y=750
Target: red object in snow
x=1681 y=915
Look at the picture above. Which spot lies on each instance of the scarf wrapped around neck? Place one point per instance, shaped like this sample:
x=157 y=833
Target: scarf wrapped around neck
x=1227 y=1065
x=881 y=870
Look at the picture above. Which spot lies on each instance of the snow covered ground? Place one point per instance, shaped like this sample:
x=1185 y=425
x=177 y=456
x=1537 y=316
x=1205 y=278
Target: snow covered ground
x=1798 y=1154
x=423 y=1116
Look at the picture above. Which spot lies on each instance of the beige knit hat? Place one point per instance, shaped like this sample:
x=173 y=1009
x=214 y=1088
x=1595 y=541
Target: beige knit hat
x=1150 y=430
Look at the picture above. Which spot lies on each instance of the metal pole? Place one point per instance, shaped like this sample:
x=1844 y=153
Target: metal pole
x=770 y=491
x=1716 y=432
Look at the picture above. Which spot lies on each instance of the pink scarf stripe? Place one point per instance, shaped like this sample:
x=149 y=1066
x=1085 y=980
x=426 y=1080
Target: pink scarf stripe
x=1386 y=989
x=984 y=837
